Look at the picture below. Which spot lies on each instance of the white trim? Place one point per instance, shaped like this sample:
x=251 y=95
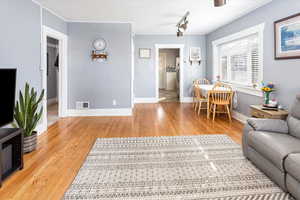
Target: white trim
x=79 y=21
x=248 y=90
x=145 y=100
x=240 y=117
x=50 y=10
x=52 y=101
x=62 y=76
x=169 y=34
x=99 y=21
x=244 y=33
x=100 y=112
x=181 y=55
x=132 y=70
x=186 y=100
x=258 y=29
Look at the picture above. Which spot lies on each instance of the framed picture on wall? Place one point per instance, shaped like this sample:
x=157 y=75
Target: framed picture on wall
x=145 y=53
x=287 y=37
x=195 y=55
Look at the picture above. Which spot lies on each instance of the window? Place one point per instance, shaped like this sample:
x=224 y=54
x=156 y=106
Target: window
x=238 y=58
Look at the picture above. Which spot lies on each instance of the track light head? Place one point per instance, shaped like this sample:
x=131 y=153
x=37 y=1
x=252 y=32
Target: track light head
x=179 y=33
x=219 y=3
x=184 y=25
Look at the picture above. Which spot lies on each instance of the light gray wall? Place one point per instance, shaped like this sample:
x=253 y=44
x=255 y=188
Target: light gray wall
x=54 y=22
x=20 y=40
x=284 y=73
x=100 y=83
x=144 y=78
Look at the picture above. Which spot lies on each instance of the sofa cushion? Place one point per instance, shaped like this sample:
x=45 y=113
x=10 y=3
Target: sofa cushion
x=274 y=146
x=292 y=165
x=271 y=125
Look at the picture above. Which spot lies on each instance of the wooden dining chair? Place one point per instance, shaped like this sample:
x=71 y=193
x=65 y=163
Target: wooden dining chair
x=221 y=84
x=198 y=99
x=221 y=96
x=202 y=82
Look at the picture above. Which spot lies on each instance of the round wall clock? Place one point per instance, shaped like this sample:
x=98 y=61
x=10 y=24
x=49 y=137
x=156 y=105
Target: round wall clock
x=99 y=44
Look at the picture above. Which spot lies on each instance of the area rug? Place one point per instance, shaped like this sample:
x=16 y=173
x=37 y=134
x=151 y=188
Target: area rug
x=170 y=168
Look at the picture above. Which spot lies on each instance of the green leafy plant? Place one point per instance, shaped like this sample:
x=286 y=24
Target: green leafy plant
x=26 y=110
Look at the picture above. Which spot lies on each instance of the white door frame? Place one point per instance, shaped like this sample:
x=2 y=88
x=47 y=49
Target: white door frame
x=132 y=70
x=62 y=75
x=181 y=56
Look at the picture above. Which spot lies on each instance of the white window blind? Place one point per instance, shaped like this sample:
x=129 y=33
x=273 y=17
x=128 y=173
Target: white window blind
x=239 y=61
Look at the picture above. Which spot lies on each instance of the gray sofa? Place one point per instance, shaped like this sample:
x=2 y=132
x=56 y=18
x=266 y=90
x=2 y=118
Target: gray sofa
x=274 y=147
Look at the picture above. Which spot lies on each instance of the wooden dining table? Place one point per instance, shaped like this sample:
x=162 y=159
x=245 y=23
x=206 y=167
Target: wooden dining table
x=205 y=92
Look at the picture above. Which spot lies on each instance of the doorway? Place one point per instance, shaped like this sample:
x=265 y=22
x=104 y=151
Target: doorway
x=169 y=75
x=52 y=80
x=169 y=78
x=54 y=59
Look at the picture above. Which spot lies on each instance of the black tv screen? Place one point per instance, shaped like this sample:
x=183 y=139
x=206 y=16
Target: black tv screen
x=7 y=99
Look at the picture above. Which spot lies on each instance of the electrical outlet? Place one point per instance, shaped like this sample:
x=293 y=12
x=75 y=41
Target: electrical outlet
x=114 y=102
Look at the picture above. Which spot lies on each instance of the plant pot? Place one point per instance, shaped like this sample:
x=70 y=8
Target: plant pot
x=30 y=143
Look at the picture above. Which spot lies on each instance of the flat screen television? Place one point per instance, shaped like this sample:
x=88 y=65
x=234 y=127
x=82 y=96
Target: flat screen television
x=7 y=99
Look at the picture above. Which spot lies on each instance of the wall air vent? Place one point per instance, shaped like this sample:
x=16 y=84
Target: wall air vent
x=82 y=105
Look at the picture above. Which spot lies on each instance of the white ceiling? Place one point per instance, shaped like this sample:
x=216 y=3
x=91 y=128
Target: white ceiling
x=154 y=16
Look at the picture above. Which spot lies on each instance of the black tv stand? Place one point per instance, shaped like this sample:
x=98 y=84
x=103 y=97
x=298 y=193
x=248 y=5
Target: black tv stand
x=11 y=152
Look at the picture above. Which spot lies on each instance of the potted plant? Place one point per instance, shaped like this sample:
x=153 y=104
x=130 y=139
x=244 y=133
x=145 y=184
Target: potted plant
x=27 y=116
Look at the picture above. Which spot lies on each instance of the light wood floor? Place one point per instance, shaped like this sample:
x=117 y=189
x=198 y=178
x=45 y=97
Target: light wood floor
x=62 y=149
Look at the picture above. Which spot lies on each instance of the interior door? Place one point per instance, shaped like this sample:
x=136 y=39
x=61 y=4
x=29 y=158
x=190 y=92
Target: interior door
x=162 y=70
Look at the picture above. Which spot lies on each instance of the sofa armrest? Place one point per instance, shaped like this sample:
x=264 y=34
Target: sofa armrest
x=246 y=131
x=270 y=125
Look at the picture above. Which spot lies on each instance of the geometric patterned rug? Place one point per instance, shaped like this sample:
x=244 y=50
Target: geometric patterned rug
x=170 y=168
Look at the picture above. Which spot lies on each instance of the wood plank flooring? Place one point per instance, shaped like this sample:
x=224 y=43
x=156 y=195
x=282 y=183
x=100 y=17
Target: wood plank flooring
x=62 y=149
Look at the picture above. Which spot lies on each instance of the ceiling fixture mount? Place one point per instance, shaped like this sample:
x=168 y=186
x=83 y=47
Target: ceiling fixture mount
x=219 y=3
x=179 y=33
x=182 y=25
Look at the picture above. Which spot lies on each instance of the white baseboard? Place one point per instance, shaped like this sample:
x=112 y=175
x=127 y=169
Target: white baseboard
x=186 y=100
x=100 y=112
x=51 y=101
x=40 y=128
x=239 y=116
x=145 y=100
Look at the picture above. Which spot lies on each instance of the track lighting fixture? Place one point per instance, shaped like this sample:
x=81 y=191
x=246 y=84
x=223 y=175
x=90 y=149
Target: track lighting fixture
x=219 y=3
x=182 y=25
